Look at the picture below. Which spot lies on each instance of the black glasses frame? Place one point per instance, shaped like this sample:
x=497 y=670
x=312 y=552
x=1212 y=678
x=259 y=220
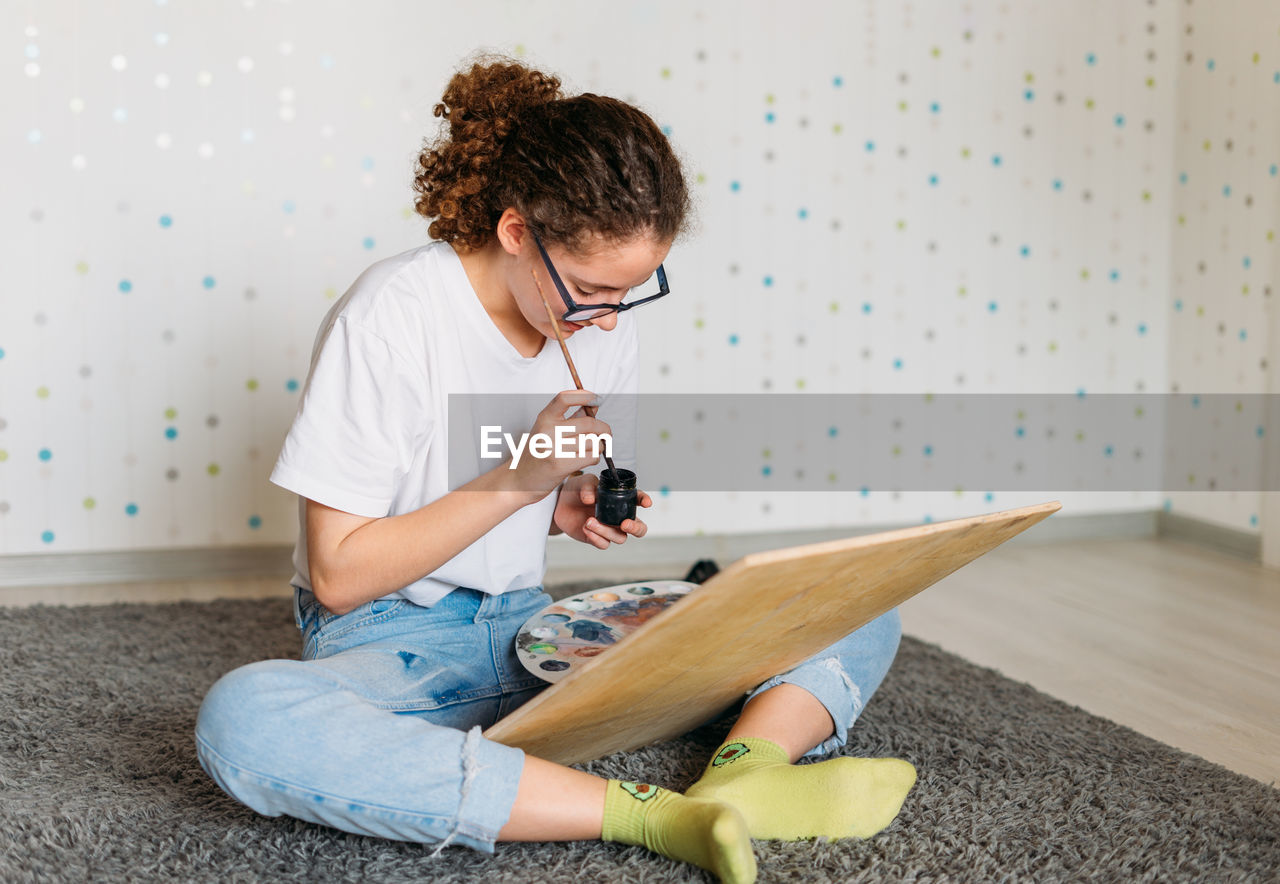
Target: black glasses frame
x=595 y=310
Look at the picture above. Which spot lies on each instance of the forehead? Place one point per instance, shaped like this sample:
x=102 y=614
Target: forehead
x=611 y=263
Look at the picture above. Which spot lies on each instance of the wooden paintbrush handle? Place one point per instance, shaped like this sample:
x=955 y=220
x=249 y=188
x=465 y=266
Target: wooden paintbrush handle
x=564 y=349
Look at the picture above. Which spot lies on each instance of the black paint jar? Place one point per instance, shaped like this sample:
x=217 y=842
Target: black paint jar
x=616 y=497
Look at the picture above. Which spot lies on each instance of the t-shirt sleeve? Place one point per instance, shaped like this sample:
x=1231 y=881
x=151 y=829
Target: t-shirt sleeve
x=360 y=425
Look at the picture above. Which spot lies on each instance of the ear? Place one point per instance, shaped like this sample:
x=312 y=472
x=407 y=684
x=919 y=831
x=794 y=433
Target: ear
x=512 y=231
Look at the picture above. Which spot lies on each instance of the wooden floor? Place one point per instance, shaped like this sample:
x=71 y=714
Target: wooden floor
x=1176 y=641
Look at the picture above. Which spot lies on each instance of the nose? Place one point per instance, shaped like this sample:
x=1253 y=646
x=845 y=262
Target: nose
x=607 y=322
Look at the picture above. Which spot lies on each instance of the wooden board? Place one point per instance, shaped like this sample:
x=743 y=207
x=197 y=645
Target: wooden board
x=761 y=616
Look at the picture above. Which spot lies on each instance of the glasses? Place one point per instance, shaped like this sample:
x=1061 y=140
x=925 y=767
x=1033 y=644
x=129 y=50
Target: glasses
x=575 y=312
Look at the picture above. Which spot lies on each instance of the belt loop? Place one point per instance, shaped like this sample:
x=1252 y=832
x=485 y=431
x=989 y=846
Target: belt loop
x=490 y=606
x=297 y=608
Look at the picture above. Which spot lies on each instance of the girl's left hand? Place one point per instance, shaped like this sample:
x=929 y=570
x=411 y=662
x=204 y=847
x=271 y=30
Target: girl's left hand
x=576 y=514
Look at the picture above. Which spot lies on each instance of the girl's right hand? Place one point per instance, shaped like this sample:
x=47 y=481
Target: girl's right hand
x=542 y=475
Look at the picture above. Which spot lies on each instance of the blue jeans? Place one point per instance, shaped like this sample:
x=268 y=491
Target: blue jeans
x=376 y=730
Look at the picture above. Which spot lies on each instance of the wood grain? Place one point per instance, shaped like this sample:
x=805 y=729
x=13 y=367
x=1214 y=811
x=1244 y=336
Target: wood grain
x=760 y=616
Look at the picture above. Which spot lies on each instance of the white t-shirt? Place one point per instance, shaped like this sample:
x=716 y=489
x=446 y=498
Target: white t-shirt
x=371 y=433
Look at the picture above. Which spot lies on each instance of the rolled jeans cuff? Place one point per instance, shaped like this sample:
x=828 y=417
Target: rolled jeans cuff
x=827 y=681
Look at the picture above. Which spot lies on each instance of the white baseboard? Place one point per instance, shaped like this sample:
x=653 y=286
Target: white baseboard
x=145 y=565
x=1220 y=537
x=565 y=558
x=726 y=548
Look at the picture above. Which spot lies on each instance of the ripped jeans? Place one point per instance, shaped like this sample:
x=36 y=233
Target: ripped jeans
x=376 y=730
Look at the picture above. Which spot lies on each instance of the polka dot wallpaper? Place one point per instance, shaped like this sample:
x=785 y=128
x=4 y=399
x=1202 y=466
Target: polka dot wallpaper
x=950 y=197
x=1226 y=209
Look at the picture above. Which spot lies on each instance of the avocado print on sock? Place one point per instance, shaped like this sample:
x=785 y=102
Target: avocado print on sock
x=729 y=753
x=639 y=791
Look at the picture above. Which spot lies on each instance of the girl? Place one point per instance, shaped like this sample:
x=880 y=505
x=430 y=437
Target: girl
x=409 y=595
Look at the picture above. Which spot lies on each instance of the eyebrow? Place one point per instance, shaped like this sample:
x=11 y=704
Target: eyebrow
x=582 y=283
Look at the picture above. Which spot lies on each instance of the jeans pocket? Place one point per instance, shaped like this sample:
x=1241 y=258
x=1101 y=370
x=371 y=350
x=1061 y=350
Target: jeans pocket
x=331 y=626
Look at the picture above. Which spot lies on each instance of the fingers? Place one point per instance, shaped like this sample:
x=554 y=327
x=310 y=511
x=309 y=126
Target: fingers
x=595 y=539
x=569 y=407
x=569 y=399
x=594 y=528
x=610 y=533
x=643 y=499
x=634 y=527
x=579 y=439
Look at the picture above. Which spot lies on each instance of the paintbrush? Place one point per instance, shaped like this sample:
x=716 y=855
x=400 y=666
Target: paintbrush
x=555 y=325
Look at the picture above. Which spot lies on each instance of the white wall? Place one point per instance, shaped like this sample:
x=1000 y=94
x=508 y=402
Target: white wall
x=892 y=198
x=1227 y=209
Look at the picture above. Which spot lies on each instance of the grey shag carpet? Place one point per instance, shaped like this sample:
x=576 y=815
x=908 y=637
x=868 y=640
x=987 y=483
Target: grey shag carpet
x=99 y=779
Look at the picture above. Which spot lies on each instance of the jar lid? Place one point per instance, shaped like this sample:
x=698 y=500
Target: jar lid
x=617 y=480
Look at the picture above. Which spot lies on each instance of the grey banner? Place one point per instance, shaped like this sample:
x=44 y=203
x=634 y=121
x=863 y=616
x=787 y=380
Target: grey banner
x=999 y=442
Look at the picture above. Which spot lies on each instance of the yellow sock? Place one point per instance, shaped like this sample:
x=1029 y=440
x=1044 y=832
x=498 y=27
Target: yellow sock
x=840 y=798
x=706 y=833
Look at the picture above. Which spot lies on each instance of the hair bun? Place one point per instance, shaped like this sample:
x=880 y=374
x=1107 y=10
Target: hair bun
x=575 y=168
x=485 y=101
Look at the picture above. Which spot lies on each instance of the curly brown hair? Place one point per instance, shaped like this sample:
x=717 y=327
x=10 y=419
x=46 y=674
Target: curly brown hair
x=575 y=167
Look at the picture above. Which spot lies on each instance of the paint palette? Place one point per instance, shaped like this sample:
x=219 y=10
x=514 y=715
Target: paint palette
x=569 y=633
